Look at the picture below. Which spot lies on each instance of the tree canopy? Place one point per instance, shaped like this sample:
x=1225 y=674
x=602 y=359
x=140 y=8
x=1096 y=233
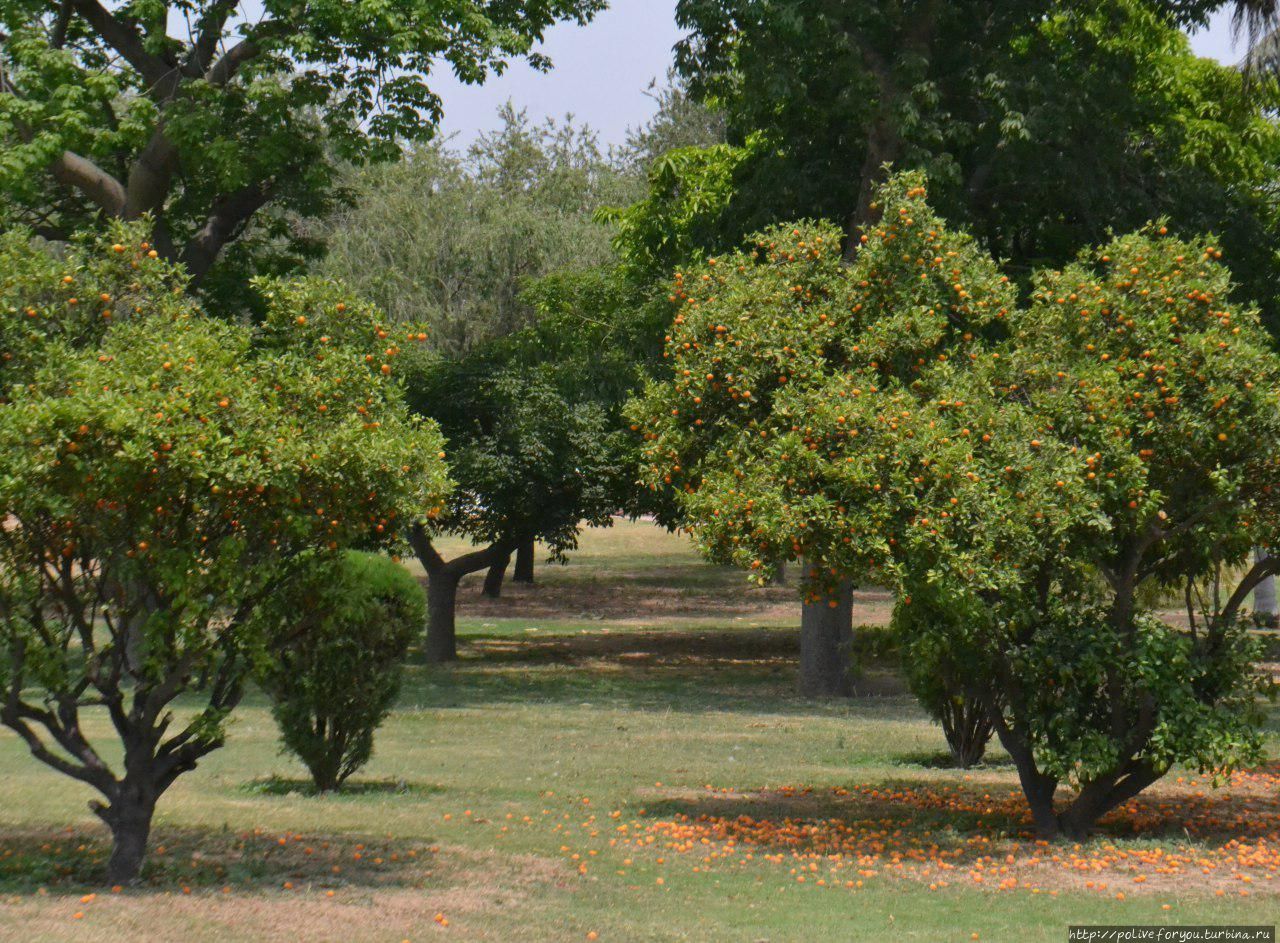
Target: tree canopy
x=202 y=116
x=1042 y=125
x=454 y=238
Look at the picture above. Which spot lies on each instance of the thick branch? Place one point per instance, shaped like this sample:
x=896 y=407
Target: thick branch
x=1267 y=566
x=424 y=549
x=84 y=175
x=230 y=215
x=222 y=71
x=126 y=40
x=207 y=34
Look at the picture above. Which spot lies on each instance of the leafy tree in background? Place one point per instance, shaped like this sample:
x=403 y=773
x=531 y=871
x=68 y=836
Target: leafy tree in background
x=160 y=480
x=524 y=387
x=204 y=116
x=680 y=121
x=1041 y=124
x=454 y=239
x=1019 y=472
x=529 y=463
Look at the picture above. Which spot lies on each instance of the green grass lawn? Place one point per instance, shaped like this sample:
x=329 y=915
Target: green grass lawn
x=626 y=759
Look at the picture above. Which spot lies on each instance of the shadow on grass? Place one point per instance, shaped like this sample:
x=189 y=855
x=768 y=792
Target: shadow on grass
x=742 y=670
x=351 y=789
x=942 y=760
x=190 y=859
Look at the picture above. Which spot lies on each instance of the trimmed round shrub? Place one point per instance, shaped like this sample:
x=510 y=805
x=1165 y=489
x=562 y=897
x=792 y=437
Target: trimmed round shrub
x=338 y=661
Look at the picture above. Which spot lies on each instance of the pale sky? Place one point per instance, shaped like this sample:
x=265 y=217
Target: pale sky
x=601 y=71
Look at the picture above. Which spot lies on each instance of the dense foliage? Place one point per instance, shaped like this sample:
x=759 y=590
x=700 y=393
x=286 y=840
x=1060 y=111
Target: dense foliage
x=453 y=239
x=160 y=478
x=1042 y=125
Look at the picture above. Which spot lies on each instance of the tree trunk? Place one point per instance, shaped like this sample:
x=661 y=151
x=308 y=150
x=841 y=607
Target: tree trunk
x=442 y=602
x=780 y=575
x=1038 y=788
x=494 y=577
x=524 y=562
x=1264 y=595
x=1098 y=798
x=129 y=818
x=826 y=645
x=967 y=728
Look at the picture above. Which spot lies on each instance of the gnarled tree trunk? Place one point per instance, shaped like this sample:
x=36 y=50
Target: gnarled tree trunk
x=129 y=818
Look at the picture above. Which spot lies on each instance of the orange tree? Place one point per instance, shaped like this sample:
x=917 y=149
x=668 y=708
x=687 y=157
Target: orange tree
x=1024 y=475
x=765 y=337
x=1129 y=447
x=157 y=484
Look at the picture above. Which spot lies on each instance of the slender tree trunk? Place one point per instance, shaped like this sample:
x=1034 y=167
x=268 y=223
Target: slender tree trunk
x=1264 y=595
x=524 y=562
x=494 y=577
x=129 y=818
x=780 y=576
x=967 y=728
x=826 y=645
x=442 y=604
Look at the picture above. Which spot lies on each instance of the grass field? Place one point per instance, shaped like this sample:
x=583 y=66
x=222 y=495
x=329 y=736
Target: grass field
x=619 y=756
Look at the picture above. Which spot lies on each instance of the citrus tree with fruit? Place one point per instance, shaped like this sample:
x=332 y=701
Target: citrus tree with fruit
x=161 y=477
x=776 y=355
x=1130 y=450
x=1025 y=474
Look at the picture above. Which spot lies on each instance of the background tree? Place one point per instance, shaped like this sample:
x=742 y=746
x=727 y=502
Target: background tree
x=679 y=121
x=454 y=238
x=159 y=484
x=523 y=385
x=1042 y=125
x=334 y=659
x=528 y=463
x=202 y=116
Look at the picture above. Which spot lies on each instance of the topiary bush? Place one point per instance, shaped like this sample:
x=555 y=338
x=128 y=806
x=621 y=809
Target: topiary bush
x=337 y=662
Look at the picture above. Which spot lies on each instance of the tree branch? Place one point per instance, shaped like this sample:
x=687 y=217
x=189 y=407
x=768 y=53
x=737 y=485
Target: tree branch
x=126 y=40
x=80 y=173
x=229 y=216
x=222 y=71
